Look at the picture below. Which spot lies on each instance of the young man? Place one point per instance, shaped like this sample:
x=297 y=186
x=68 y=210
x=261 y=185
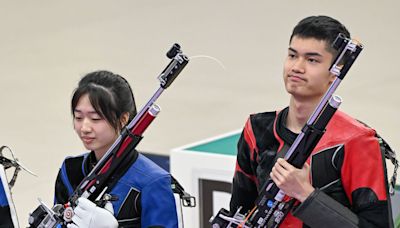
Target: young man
x=345 y=185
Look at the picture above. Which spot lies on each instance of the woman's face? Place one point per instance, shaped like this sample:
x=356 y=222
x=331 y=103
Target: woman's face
x=96 y=133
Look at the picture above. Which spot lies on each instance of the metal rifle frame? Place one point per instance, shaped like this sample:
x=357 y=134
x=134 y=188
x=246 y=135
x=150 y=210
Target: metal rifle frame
x=6 y=163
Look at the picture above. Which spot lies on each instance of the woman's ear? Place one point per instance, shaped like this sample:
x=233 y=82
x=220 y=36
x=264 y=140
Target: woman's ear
x=124 y=119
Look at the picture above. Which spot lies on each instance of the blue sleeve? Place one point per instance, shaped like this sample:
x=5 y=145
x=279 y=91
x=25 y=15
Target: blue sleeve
x=3 y=197
x=158 y=204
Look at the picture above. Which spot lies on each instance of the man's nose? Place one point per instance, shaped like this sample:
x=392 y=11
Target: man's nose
x=298 y=65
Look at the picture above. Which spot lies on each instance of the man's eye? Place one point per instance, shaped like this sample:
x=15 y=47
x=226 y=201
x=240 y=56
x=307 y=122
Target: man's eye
x=313 y=60
x=291 y=56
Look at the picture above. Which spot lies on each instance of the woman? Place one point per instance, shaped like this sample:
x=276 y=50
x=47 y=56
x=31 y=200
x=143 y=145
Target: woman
x=101 y=106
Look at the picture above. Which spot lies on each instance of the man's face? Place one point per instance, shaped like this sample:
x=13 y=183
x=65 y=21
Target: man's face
x=306 y=70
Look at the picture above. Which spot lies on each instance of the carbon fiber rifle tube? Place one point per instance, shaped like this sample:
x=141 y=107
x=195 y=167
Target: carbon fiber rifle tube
x=310 y=135
x=313 y=133
x=137 y=132
x=146 y=120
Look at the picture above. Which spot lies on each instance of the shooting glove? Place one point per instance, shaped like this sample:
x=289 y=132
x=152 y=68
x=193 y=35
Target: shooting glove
x=88 y=215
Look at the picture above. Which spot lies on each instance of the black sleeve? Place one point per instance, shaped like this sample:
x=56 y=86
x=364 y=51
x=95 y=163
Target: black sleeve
x=60 y=192
x=5 y=217
x=72 y=167
x=244 y=188
x=320 y=210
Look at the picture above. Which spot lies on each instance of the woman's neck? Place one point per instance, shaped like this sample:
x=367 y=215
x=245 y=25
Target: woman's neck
x=99 y=154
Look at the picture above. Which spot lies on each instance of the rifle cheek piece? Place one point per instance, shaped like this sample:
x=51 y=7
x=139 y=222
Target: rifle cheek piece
x=348 y=51
x=178 y=62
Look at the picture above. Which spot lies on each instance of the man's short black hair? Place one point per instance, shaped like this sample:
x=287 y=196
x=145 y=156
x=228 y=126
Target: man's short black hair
x=321 y=28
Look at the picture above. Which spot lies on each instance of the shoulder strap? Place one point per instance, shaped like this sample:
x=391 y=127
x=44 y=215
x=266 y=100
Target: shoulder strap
x=391 y=155
x=186 y=198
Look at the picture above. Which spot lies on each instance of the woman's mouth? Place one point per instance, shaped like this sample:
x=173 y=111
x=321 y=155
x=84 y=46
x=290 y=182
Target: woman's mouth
x=87 y=140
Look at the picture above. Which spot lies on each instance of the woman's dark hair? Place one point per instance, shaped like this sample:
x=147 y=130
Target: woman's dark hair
x=110 y=95
x=321 y=28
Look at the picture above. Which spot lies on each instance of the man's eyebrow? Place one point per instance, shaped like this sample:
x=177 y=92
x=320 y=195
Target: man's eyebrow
x=306 y=54
x=292 y=50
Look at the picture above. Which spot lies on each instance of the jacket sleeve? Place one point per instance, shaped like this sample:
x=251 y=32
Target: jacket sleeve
x=244 y=188
x=5 y=214
x=61 y=192
x=364 y=182
x=158 y=204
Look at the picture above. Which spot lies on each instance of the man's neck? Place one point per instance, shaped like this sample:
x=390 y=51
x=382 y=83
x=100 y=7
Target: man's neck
x=299 y=113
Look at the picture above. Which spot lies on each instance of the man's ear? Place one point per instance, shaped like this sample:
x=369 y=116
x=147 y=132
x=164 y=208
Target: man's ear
x=331 y=78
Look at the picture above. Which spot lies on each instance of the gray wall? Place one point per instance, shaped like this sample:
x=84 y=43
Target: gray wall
x=46 y=46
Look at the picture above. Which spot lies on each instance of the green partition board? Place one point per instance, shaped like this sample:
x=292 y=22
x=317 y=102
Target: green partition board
x=225 y=145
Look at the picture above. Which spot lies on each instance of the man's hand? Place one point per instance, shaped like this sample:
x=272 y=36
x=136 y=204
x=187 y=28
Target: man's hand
x=88 y=215
x=294 y=182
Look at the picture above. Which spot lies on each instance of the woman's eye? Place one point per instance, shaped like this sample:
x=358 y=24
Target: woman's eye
x=78 y=118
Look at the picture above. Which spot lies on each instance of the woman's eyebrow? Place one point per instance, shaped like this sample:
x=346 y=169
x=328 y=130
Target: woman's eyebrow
x=80 y=111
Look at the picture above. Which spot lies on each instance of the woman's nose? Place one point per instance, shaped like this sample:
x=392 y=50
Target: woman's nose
x=86 y=125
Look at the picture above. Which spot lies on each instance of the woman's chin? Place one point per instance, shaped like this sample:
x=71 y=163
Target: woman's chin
x=88 y=146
